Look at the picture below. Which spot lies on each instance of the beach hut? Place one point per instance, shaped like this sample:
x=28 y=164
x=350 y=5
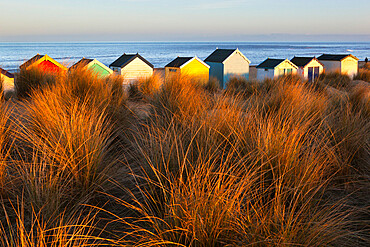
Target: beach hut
x=341 y=63
x=45 y=63
x=308 y=67
x=7 y=78
x=225 y=63
x=188 y=66
x=93 y=65
x=272 y=68
x=132 y=67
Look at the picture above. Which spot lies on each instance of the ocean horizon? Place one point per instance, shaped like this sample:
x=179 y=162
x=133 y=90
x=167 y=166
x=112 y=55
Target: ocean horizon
x=13 y=54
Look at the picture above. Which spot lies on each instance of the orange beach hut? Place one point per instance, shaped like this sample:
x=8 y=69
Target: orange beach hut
x=45 y=63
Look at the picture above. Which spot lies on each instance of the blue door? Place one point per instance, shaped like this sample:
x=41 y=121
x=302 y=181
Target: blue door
x=316 y=73
x=310 y=74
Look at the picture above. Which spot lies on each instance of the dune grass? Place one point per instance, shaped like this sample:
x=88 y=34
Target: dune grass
x=273 y=163
x=240 y=173
x=363 y=73
x=1 y=88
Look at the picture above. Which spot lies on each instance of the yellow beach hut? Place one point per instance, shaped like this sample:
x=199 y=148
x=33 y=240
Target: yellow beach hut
x=308 y=67
x=132 y=67
x=225 y=63
x=94 y=66
x=272 y=68
x=188 y=66
x=342 y=63
x=7 y=79
x=45 y=63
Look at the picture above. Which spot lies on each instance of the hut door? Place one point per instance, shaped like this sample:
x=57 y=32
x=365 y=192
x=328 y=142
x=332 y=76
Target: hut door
x=310 y=73
x=316 y=73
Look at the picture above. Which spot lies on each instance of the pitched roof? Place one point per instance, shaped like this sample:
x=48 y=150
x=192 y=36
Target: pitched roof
x=82 y=63
x=31 y=61
x=38 y=58
x=301 y=61
x=219 y=55
x=6 y=73
x=178 y=62
x=335 y=57
x=125 y=59
x=270 y=63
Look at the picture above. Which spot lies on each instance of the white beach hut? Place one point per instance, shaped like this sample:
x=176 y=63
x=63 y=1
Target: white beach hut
x=225 y=63
x=272 y=68
x=132 y=67
x=341 y=63
x=308 y=67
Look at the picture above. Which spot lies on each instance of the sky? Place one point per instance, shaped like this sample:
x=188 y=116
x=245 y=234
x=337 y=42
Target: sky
x=189 y=20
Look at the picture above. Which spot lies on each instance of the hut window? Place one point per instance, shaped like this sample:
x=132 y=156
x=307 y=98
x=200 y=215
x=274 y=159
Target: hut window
x=173 y=70
x=287 y=71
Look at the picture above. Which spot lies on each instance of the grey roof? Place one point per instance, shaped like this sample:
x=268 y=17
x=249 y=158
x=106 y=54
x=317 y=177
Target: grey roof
x=82 y=63
x=31 y=61
x=125 y=59
x=334 y=57
x=6 y=73
x=178 y=62
x=219 y=55
x=301 y=61
x=270 y=63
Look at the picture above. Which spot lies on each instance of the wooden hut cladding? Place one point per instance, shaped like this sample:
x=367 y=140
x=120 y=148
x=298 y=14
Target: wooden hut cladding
x=132 y=67
x=272 y=68
x=188 y=66
x=341 y=63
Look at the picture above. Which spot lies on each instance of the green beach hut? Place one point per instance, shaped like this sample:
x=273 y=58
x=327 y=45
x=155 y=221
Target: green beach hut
x=93 y=65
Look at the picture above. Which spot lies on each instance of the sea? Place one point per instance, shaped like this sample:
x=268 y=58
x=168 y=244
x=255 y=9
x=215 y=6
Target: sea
x=13 y=54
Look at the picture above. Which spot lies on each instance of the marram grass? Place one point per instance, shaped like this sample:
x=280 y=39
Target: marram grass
x=277 y=163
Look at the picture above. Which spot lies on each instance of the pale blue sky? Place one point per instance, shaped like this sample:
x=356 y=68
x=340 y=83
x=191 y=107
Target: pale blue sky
x=196 y=20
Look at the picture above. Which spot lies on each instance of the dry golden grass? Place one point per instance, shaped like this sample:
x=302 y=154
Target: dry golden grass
x=363 y=73
x=244 y=172
x=1 y=88
x=20 y=229
x=261 y=164
x=335 y=80
x=5 y=146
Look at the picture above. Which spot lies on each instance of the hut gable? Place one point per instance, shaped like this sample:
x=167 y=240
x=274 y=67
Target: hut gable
x=93 y=65
x=308 y=67
x=45 y=63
